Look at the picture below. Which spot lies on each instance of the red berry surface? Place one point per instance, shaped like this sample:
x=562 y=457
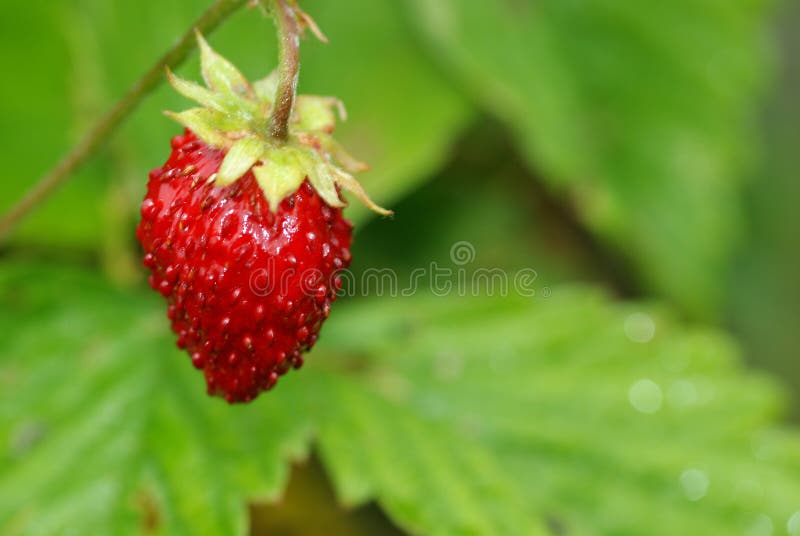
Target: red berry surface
x=247 y=288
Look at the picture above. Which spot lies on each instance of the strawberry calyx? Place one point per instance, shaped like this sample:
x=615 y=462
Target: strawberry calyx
x=234 y=116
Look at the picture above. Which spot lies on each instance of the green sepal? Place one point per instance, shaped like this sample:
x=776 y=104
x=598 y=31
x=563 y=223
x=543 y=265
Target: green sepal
x=201 y=122
x=316 y=114
x=221 y=75
x=235 y=117
x=240 y=158
x=322 y=177
x=279 y=174
x=196 y=92
x=349 y=183
x=227 y=103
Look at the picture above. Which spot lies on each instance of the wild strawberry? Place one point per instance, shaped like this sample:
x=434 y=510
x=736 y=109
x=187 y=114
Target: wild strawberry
x=244 y=235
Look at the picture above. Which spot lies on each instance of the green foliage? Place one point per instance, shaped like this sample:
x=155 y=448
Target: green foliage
x=767 y=287
x=641 y=113
x=105 y=433
x=107 y=429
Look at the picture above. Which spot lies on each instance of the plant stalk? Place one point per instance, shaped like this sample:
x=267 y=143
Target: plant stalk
x=289 y=59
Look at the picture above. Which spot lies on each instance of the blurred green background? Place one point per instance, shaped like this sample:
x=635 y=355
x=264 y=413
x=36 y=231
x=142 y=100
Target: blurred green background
x=641 y=157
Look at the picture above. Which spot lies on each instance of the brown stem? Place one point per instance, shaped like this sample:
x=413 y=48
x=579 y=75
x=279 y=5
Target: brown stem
x=101 y=130
x=289 y=58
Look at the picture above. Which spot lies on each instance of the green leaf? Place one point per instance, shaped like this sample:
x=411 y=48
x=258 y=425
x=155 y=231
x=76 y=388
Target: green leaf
x=765 y=290
x=429 y=479
x=603 y=428
x=458 y=415
x=107 y=432
x=641 y=114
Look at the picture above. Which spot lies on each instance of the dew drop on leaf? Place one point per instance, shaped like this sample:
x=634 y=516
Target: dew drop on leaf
x=640 y=327
x=695 y=484
x=645 y=396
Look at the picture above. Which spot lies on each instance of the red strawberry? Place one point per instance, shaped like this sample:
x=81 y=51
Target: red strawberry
x=244 y=236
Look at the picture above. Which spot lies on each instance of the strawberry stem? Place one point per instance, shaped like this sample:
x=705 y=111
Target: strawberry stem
x=106 y=125
x=289 y=59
